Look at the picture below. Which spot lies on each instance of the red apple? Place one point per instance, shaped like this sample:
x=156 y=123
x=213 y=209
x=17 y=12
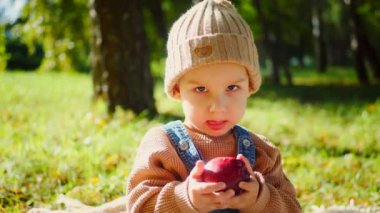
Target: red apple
x=229 y=170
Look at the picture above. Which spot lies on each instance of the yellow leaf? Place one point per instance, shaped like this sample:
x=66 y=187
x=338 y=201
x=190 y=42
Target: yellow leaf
x=371 y=107
x=95 y=180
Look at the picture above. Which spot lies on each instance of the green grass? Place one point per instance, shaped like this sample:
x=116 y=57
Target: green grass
x=54 y=139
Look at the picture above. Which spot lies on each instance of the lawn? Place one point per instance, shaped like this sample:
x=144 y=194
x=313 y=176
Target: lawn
x=55 y=140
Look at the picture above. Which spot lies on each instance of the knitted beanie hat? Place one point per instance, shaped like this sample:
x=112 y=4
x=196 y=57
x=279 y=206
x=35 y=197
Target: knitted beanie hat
x=210 y=32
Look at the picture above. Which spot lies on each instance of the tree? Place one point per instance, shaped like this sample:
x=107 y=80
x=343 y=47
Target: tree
x=155 y=9
x=61 y=27
x=361 y=46
x=336 y=30
x=3 y=55
x=318 y=33
x=273 y=38
x=119 y=53
x=119 y=56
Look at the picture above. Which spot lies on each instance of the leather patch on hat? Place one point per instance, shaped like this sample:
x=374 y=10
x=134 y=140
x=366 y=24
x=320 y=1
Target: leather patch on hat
x=203 y=51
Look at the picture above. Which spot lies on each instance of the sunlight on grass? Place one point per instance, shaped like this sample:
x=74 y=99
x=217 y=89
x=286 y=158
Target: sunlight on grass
x=334 y=75
x=54 y=140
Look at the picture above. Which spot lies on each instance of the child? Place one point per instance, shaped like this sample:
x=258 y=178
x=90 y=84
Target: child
x=212 y=69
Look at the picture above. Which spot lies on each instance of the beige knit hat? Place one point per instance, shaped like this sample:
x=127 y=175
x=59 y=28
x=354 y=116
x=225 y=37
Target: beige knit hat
x=212 y=31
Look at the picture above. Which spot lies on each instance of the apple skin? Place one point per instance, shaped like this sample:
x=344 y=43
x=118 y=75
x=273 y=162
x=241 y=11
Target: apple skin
x=229 y=170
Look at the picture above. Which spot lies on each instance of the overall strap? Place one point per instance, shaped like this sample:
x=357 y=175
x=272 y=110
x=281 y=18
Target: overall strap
x=183 y=144
x=246 y=145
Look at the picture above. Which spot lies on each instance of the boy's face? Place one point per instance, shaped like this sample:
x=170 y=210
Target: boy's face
x=214 y=97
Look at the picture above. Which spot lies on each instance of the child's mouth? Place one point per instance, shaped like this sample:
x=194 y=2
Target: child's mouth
x=216 y=125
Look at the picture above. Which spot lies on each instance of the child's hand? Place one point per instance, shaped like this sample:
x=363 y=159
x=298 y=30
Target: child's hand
x=204 y=196
x=248 y=196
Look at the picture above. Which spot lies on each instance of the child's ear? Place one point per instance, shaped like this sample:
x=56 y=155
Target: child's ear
x=176 y=92
x=250 y=91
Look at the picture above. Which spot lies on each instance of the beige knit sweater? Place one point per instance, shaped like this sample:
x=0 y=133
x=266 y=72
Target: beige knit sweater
x=157 y=180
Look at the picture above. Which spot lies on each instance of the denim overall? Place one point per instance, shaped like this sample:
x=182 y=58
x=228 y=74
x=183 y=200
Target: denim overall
x=189 y=154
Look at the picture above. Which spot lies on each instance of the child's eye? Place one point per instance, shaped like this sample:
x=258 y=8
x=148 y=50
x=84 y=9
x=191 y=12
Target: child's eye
x=200 y=89
x=232 y=87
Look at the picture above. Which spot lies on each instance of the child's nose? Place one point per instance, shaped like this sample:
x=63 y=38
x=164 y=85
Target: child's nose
x=218 y=104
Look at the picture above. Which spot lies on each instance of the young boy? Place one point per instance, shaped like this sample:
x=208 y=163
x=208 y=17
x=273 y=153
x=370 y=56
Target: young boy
x=212 y=68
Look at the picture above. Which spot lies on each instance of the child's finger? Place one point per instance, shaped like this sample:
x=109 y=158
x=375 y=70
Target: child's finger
x=197 y=171
x=207 y=188
x=246 y=162
x=249 y=186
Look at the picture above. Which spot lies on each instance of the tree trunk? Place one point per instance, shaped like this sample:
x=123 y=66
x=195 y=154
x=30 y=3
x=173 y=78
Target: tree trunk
x=269 y=43
x=288 y=75
x=363 y=40
x=301 y=51
x=158 y=18
x=97 y=67
x=275 y=67
x=318 y=33
x=120 y=60
x=360 y=68
x=357 y=42
x=280 y=49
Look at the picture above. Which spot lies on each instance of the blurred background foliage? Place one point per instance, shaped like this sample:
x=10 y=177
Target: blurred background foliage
x=55 y=34
x=94 y=37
